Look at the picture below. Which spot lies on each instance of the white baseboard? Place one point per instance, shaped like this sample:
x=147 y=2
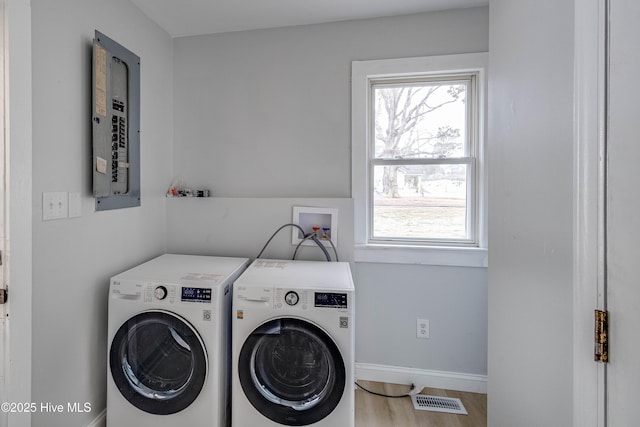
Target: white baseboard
x=422 y=377
x=100 y=420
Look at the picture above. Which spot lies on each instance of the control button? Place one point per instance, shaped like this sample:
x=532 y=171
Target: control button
x=160 y=292
x=344 y=322
x=291 y=298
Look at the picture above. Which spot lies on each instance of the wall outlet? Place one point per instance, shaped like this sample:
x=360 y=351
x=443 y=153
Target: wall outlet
x=422 y=328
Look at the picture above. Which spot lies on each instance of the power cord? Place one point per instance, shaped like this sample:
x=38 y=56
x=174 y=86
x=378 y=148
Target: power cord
x=411 y=392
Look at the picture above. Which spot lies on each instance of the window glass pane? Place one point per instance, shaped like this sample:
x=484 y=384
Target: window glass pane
x=420 y=202
x=427 y=120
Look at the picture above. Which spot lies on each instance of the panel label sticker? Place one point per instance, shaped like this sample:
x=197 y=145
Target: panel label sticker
x=101 y=80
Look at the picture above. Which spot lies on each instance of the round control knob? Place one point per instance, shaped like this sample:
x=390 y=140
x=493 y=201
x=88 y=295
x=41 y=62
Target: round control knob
x=160 y=292
x=291 y=298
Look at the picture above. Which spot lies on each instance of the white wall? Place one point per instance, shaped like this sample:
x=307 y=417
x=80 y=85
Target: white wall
x=266 y=114
x=242 y=226
x=530 y=213
x=74 y=258
x=17 y=260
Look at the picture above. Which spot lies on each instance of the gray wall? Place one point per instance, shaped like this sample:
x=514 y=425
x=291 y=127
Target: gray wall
x=74 y=258
x=266 y=114
x=391 y=297
x=530 y=213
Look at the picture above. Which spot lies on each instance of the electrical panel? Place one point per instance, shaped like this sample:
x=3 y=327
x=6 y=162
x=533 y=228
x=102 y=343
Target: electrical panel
x=116 y=125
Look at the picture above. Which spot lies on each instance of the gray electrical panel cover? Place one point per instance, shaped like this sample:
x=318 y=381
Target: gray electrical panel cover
x=116 y=125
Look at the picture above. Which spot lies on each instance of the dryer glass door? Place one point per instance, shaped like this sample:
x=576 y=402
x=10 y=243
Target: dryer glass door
x=292 y=372
x=158 y=362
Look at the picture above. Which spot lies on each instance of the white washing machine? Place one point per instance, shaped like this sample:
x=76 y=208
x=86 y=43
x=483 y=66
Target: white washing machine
x=169 y=342
x=293 y=345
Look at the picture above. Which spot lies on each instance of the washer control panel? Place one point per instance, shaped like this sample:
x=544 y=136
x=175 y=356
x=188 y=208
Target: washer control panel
x=291 y=298
x=303 y=299
x=160 y=292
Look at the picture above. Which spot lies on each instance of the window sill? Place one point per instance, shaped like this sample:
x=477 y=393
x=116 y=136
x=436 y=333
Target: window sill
x=422 y=255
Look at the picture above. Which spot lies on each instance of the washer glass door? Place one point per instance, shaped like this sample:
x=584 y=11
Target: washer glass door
x=292 y=372
x=158 y=362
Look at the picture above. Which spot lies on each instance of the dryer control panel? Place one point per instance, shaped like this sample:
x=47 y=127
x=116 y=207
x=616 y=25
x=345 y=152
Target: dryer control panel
x=192 y=294
x=330 y=300
x=156 y=292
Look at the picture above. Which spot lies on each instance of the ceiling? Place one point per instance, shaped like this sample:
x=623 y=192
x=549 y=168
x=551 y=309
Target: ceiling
x=194 y=17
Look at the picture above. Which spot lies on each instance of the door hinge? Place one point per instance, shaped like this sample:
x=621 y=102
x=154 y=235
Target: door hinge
x=601 y=347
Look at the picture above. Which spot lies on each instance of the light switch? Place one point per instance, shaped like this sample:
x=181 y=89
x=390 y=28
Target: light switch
x=55 y=205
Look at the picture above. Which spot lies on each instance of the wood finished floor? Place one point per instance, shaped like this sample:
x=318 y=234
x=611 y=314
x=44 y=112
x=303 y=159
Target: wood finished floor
x=377 y=411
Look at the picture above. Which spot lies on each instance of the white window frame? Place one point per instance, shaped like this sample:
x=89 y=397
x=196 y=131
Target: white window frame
x=363 y=73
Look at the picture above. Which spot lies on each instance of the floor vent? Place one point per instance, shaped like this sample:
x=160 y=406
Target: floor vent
x=438 y=404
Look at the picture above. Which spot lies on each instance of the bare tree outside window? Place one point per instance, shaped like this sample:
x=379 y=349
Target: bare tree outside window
x=421 y=164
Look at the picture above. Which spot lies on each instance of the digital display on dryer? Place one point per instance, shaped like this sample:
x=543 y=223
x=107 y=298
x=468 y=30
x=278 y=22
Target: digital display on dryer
x=196 y=294
x=330 y=300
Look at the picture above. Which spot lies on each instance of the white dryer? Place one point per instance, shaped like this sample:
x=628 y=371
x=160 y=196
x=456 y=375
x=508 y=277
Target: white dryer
x=168 y=342
x=293 y=345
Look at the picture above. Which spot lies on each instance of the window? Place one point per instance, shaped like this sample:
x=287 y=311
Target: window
x=418 y=176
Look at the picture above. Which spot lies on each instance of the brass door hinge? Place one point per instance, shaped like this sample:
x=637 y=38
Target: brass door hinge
x=601 y=347
x=4 y=295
